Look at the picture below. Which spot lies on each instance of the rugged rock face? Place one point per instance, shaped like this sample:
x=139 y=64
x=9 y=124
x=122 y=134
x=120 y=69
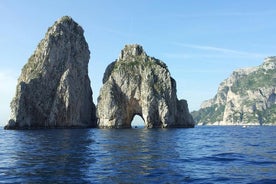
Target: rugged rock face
x=53 y=89
x=247 y=97
x=136 y=84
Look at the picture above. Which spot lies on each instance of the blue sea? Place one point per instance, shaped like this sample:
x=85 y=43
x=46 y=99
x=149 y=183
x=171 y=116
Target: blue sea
x=205 y=154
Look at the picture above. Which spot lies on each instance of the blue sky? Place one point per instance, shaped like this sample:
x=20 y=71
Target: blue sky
x=202 y=42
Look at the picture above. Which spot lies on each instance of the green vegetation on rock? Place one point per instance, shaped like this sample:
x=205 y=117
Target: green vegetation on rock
x=210 y=114
x=255 y=80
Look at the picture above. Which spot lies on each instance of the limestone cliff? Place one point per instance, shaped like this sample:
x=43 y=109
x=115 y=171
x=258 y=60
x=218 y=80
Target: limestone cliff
x=136 y=84
x=53 y=89
x=247 y=97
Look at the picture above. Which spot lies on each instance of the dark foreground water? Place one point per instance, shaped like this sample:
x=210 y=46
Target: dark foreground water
x=199 y=155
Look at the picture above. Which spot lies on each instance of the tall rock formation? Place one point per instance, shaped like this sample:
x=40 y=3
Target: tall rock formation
x=53 y=89
x=136 y=84
x=247 y=97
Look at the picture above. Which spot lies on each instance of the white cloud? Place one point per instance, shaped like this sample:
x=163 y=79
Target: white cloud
x=237 y=14
x=221 y=50
x=7 y=89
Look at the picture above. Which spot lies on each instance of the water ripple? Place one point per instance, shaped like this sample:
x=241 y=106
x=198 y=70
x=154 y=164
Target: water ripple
x=199 y=155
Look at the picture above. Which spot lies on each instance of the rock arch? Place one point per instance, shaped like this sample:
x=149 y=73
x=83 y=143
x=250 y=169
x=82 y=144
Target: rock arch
x=138 y=84
x=137 y=120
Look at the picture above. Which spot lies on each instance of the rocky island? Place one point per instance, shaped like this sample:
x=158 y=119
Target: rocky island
x=53 y=89
x=137 y=84
x=247 y=97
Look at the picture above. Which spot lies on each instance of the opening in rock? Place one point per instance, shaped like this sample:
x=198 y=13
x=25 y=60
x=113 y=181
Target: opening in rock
x=137 y=122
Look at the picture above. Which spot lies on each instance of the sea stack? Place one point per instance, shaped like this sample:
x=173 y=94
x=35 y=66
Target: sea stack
x=53 y=90
x=136 y=84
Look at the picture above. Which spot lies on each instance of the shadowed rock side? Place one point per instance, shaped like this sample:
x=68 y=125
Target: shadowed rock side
x=53 y=89
x=136 y=84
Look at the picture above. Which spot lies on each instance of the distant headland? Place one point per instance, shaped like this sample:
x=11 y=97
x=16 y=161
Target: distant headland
x=247 y=97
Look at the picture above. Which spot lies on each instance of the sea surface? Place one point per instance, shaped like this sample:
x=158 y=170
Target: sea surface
x=205 y=154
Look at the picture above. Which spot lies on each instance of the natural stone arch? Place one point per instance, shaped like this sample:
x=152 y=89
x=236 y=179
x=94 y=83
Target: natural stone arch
x=138 y=84
x=137 y=121
x=135 y=109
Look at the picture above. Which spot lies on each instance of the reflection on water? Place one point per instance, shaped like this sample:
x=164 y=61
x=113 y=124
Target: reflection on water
x=199 y=155
x=130 y=154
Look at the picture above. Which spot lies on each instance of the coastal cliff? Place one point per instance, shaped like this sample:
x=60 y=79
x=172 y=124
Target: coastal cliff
x=247 y=97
